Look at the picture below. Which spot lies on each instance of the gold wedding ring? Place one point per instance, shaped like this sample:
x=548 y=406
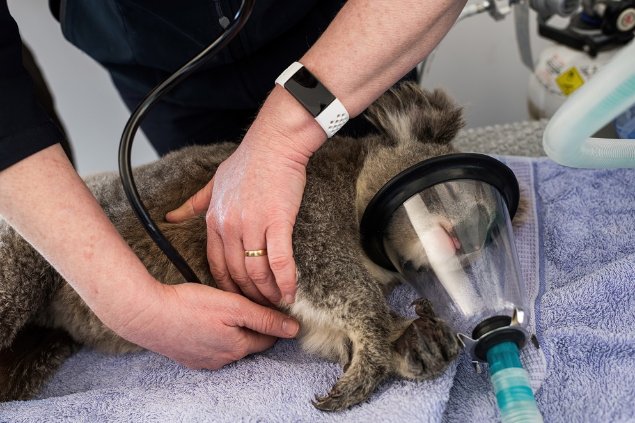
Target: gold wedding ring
x=255 y=253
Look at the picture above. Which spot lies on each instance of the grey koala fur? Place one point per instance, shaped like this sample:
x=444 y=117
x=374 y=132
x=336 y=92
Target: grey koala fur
x=340 y=300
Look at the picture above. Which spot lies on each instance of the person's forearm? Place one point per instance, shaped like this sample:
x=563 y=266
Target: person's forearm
x=372 y=43
x=369 y=46
x=45 y=200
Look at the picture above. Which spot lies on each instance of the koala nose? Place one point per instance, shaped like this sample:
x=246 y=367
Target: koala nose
x=474 y=229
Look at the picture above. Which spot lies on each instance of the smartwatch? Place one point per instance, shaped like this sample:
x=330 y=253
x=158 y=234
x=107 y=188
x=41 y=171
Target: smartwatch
x=327 y=110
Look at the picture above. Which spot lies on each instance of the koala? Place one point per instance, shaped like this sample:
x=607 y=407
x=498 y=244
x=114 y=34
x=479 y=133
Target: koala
x=341 y=294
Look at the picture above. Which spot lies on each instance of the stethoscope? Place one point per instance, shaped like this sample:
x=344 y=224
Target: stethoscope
x=125 y=146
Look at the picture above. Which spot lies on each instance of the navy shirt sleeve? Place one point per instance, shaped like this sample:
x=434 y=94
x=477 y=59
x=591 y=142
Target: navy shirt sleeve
x=25 y=128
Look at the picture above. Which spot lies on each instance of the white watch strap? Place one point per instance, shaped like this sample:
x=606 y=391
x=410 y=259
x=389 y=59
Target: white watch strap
x=332 y=117
x=288 y=73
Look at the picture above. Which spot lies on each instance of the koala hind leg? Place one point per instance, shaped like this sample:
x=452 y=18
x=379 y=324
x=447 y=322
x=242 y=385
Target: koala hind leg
x=28 y=356
x=355 y=335
x=26 y=283
x=35 y=354
x=369 y=365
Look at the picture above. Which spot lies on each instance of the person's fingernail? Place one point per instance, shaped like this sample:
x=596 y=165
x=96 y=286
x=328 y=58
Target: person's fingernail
x=289 y=299
x=290 y=327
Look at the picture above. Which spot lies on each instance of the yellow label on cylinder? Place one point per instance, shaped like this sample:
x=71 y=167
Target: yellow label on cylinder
x=569 y=80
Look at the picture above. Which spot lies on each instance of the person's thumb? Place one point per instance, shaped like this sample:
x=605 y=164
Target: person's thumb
x=267 y=321
x=195 y=205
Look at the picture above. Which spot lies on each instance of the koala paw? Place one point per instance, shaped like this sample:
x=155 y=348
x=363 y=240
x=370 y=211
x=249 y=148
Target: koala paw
x=423 y=308
x=426 y=347
x=342 y=396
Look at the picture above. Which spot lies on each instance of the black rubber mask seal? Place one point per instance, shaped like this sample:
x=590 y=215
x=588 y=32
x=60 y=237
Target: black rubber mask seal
x=425 y=175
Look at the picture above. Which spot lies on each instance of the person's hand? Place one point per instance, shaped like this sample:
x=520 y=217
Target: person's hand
x=252 y=203
x=194 y=324
x=255 y=196
x=200 y=326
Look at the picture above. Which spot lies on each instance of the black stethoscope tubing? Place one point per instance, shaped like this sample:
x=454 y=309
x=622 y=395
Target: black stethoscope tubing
x=127 y=137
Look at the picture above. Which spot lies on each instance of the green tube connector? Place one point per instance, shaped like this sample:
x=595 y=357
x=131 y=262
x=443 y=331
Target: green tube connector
x=510 y=380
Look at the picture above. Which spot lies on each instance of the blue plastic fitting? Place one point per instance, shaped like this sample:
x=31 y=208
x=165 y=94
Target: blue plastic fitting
x=510 y=380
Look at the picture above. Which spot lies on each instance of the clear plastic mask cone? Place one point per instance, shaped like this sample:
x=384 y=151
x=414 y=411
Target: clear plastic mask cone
x=453 y=243
x=445 y=226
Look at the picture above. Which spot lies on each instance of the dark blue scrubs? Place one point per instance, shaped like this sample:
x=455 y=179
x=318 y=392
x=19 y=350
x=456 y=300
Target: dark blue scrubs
x=141 y=42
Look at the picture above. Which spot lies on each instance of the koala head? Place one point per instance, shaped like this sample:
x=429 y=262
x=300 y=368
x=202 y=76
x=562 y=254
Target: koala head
x=418 y=125
x=415 y=125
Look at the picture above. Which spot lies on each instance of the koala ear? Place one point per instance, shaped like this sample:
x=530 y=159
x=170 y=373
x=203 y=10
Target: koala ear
x=409 y=114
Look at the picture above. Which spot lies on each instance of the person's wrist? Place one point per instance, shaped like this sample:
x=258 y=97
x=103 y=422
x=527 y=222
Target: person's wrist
x=122 y=303
x=283 y=124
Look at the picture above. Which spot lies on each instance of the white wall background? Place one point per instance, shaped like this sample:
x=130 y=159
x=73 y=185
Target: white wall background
x=477 y=63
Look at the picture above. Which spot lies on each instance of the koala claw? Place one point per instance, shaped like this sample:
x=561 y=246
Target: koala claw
x=354 y=387
x=335 y=400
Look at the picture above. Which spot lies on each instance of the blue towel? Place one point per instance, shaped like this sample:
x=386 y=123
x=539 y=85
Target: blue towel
x=586 y=313
x=577 y=256
x=275 y=386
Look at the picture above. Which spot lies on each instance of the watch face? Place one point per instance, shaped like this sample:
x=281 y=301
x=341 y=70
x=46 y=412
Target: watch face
x=309 y=91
